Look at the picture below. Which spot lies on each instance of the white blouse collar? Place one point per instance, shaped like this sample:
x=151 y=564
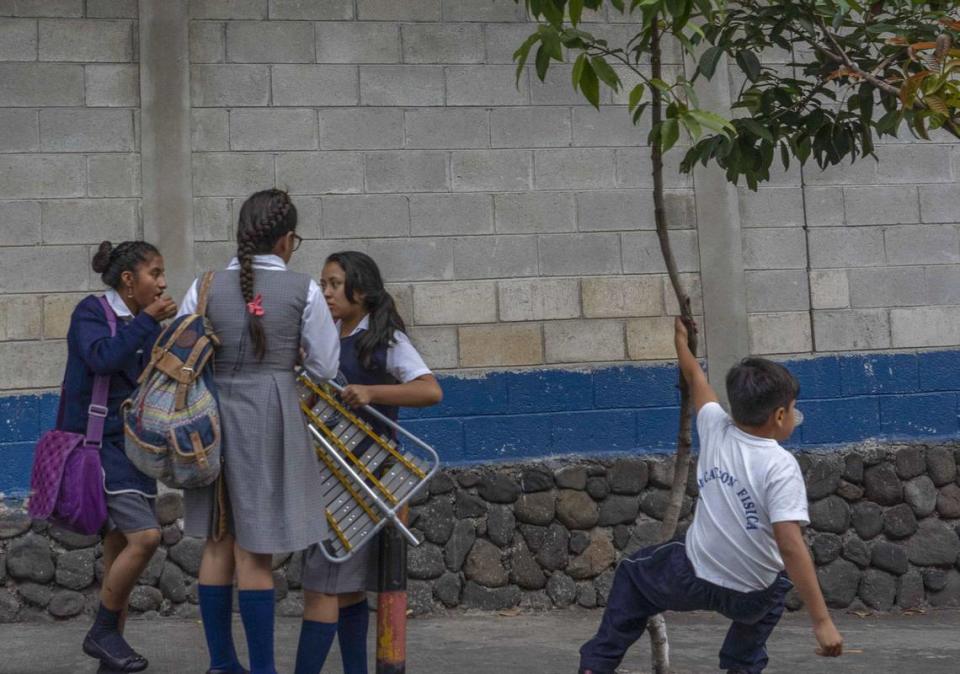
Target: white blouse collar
x=364 y=324
x=119 y=307
x=273 y=262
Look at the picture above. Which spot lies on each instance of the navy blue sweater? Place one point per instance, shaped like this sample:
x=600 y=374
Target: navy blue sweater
x=91 y=351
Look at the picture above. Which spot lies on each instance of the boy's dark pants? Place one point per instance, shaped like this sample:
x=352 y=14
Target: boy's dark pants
x=660 y=578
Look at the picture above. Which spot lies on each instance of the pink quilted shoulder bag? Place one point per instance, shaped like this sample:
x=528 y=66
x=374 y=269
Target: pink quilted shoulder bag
x=66 y=483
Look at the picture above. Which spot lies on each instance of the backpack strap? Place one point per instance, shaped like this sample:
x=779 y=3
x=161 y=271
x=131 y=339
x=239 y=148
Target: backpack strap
x=97 y=412
x=204 y=292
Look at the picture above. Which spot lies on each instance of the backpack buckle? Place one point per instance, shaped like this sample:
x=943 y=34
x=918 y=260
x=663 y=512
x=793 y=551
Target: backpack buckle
x=98 y=411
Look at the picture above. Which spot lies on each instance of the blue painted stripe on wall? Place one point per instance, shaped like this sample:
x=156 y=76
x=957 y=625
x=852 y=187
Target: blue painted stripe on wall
x=524 y=415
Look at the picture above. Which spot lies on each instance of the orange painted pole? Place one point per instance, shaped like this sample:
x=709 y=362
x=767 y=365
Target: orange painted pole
x=392 y=602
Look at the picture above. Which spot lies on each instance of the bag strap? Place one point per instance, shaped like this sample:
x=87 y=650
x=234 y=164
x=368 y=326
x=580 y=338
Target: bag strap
x=97 y=412
x=60 y=408
x=203 y=293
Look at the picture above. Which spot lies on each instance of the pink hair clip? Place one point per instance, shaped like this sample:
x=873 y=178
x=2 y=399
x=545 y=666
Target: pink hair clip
x=255 y=308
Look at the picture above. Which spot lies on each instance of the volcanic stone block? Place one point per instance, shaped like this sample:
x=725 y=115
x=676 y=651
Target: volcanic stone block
x=576 y=510
x=921 y=494
x=899 y=521
x=484 y=566
x=867 y=519
x=447 y=589
x=882 y=485
x=911 y=462
x=830 y=514
x=941 y=466
x=934 y=544
x=889 y=557
x=538 y=508
x=878 y=589
x=839 y=581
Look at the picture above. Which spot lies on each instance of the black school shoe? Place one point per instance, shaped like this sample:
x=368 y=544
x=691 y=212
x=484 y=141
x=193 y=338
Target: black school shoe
x=131 y=663
x=105 y=669
x=228 y=671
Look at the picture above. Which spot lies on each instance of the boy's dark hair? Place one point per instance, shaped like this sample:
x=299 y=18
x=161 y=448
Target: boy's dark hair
x=757 y=387
x=110 y=262
x=264 y=217
x=363 y=276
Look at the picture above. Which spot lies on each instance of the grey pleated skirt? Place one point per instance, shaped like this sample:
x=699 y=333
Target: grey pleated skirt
x=357 y=574
x=271 y=472
x=128 y=512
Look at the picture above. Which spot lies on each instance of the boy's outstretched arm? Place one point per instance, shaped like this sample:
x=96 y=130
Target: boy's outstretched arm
x=796 y=559
x=700 y=389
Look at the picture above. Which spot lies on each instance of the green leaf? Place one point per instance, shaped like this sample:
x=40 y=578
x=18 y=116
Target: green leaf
x=543 y=62
x=660 y=84
x=552 y=13
x=691 y=124
x=669 y=133
x=756 y=128
x=578 y=70
x=576 y=11
x=606 y=73
x=635 y=95
x=889 y=123
x=638 y=113
x=551 y=41
x=709 y=60
x=749 y=64
x=590 y=85
x=520 y=56
x=712 y=120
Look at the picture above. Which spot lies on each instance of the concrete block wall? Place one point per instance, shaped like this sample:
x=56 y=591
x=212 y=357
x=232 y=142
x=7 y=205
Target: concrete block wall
x=855 y=257
x=516 y=223
x=69 y=169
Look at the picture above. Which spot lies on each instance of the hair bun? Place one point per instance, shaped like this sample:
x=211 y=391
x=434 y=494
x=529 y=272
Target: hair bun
x=101 y=261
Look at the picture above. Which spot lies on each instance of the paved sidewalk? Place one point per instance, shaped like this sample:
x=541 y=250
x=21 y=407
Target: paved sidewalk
x=542 y=643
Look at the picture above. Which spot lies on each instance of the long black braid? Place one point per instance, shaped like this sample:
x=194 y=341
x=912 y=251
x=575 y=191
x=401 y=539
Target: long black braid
x=264 y=218
x=110 y=262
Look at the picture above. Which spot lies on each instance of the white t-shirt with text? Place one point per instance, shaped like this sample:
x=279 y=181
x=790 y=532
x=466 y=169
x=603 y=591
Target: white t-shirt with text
x=747 y=483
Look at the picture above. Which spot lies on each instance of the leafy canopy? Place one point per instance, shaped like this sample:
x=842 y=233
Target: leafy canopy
x=855 y=72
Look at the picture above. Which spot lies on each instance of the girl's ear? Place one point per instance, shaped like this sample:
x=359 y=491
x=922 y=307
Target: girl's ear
x=126 y=279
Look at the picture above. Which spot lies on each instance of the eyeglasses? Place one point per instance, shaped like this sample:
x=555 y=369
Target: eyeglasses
x=297 y=240
x=797 y=417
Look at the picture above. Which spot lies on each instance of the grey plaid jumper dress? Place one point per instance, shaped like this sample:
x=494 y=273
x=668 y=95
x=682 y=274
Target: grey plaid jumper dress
x=272 y=474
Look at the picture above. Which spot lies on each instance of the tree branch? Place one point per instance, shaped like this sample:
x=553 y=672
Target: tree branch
x=841 y=56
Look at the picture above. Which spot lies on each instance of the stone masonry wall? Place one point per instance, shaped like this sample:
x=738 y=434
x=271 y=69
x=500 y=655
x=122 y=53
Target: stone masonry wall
x=883 y=533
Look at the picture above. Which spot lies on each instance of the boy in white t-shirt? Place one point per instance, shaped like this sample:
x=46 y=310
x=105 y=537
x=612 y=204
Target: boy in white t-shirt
x=746 y=530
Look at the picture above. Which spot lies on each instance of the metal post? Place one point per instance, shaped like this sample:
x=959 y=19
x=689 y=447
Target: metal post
x=392 y=602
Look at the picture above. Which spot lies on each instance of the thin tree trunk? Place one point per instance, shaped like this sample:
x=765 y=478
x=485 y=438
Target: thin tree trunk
x=659 y=645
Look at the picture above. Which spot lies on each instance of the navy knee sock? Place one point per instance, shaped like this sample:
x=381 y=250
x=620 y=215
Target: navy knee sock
x=352 y=633
x=256 y=610
x=315 y=641
x=106 y=632
x=216 y=611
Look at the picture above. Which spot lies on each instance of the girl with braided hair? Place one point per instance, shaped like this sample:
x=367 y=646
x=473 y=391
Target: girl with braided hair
x=133 y=271
x=268 y=493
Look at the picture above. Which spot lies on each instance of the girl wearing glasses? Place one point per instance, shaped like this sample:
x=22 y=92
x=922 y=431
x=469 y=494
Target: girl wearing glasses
x=264 y=315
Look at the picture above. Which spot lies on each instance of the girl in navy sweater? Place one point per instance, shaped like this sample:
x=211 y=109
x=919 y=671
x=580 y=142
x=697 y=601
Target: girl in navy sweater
x=134 y=273
x=383 y=369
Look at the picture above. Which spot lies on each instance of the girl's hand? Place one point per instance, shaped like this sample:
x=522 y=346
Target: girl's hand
x=162 y=308
x=356 y=395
